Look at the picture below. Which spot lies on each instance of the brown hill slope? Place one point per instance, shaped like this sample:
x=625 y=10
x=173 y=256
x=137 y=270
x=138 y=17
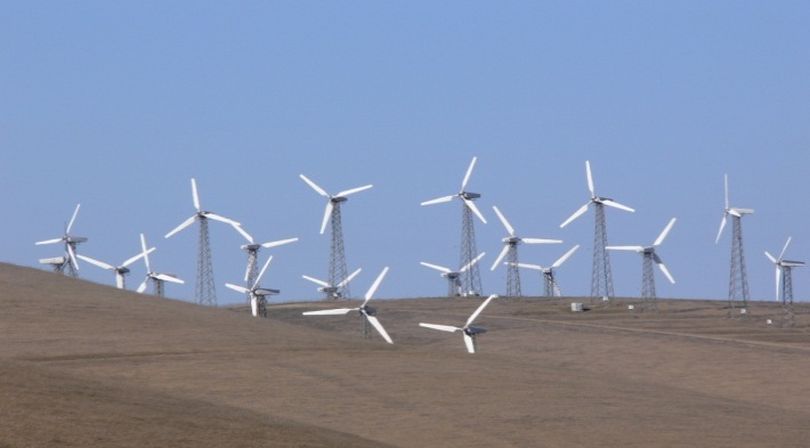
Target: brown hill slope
x=85 y=364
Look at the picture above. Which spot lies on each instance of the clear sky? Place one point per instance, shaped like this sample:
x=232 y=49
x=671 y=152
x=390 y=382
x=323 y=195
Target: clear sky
x=117 y=104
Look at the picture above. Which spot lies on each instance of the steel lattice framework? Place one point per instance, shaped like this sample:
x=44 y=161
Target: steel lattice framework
x=738 y=277
x=470 y=278
x=337 y=254
x=205 y=289
x=601 y=275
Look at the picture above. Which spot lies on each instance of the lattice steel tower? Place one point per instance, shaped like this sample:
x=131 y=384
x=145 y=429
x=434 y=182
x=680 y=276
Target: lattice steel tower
x=738 y=277
x=784 y=281
x=252 y=249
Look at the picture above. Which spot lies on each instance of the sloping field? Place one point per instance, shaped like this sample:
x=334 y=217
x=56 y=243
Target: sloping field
x=88 y=365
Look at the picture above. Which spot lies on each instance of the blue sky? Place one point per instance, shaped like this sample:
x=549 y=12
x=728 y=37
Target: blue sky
x=116 y=105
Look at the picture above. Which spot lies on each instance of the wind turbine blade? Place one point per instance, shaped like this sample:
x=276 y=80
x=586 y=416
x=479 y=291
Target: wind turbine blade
x=261 y=273
x=504 y=221
x=53 y=241
x=784 y=249
x=778 y=281
x=244 y=233
x=469 y=173
x=72 y=256
x=441 y=269
x=271 y=244
x=500 y=257
x=665 y=232
x=169 y=278
x=254 y=306
x=316 y=281
x=722 y=226
x=468 y=341
x=535 y=267
x=142 y=286
x=194 y=195
x=614 y=204
x=480 y=308
x=327 y=213
x=95 y=262
x=626 y=248
x=770 y=257
x=473 y=262
x=314 y=186
x=145 y=254
x=590 y=178
x=439 y=200
x=447 y=328
x=334 y=312
x=378 y=326
x=349 y=278
x=353 y=191
x=131 y=260
x=576 y=215
x=565 y=257
x=119 y=280
x=725 y=189
x=375 y=285
x=237 y=288
x=182 y=226
x=73 y=218
x=664 y=269
x=540 y=241
x=221 y=218
x=474 y=209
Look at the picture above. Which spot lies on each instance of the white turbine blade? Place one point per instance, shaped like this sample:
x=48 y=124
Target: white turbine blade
x=327 y=213
x=244 y=233
x=95 y=262
x=722 y=226
x=664 y=269
x=439 y=200
x=349 y=278
x=480 y=308
x=182 y=226
x=535 y=267
x=500 y=257
x=334 y=312
x=235 y=224
x=565 y=257
x=469 y=173
x=441 y=269
x=345 y=193
x=145 y=254
x=131 y=260
x=540 y=241
x=626 y=248
x=473 y=262
x=261 y=273
x=271 y=244
x=375 y=285
x=72 y=256
x=725 y=189
x=316 y=281
x=468 y=341
x=73 y=218
x=254 y=306
x=504 y=221
x=784 y=249
x=53 y=241
x=447 y=328
x=778 y=281
x=194 y=195
x=474 y=209
x=119 y=280
x=576 y=215
x=590 y=178
x=169 y=278
x=770 y=257
x=314 y=186
x=665 y=232
x=142 y=286
x=237 y=288
x=378 y=326
x=614 y=204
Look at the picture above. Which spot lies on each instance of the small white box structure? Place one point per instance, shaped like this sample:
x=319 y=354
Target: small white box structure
x=576 y=307
x=769 y=322
x=631 y=307
x=743 y=311
x=605 y=298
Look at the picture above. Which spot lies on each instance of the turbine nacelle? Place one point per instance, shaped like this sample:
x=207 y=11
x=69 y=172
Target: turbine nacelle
x=469 y=196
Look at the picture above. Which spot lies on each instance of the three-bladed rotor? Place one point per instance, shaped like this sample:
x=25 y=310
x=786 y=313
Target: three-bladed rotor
x=548 y=272
x=342 y=196
x=150 y=274
x=650 y=250
x=465 y=196
x=728 y=210
x=513 y=239
x=451 y=275
x=468 y=331
x=202 y=214
x=256 y=292
x=781 y=265
x=121 y=270
x=595 y=199
x=70 y=242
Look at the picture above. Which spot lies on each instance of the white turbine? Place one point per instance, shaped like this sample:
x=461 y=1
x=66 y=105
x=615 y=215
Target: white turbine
x=332 y=291
x=649 y=257
x=68 y=261
x=454 y=287
x=158 y=279
x=784 y=282
x=735 y=212
x=332 y=201
x=258 y=301
x=552 y=288
x=466 y=197
x=121 y=270
x=469 y=332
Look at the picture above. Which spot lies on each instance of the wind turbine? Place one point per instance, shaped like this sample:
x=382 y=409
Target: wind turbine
x=332 y=290
x=258 y=301
x=252 y=250
x=66 y=264
x=121 y=270
x=470 y=333
x=601 y=276
x=471 y=279
x=454 y=285
x=366 y=312
x=158 y=279
x=337 y=253
x=784 y=276
x=510 y=251
x=552 y=288
x=205 y=289
x=738 y=277
x=649 y=256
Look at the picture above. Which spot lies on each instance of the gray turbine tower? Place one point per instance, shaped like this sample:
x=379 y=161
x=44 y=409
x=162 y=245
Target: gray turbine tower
x=337 y=254
x=738 y=277
x=601 y=276
x=551 y=287
x=470 y=279
x=65 y=264
x=252 y=249
x=158 y=279
x=649 y=256
x=784 y=280
x=510 y=252
x=205 y=290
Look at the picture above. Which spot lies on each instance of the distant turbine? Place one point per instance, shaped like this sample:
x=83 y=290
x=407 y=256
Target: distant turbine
x=252 y=250
x=158 y=279
x=784 y=280
x=551 y=287
x=471 y=279
x=454 y=286
x=601 y=276
x=333 y=290
x=469 y=332
x=257 y=294
x=65 y=264
x=510 y=251
x=121 y=270
x=738 y=277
